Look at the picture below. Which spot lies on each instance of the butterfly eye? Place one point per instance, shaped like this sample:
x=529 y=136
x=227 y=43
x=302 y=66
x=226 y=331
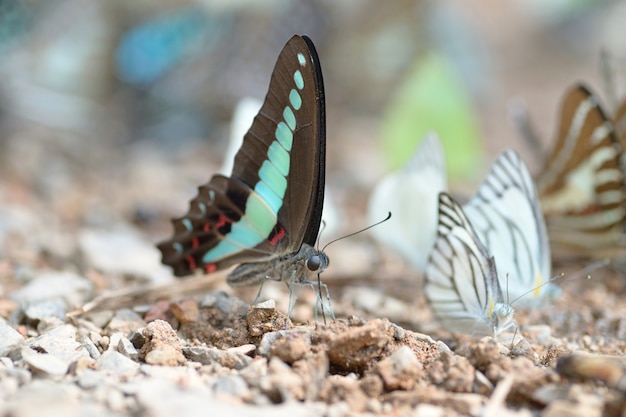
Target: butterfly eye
x=313 y=263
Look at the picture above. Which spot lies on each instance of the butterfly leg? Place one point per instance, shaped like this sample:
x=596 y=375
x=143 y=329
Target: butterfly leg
x=321 y=286
x=292 y=297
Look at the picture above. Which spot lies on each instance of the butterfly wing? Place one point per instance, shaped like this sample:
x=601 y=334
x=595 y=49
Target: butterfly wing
x=411 y=195
x=272 y=202
x=581 y=188
x=461 y=281
x=619 y=122
x=506 y=216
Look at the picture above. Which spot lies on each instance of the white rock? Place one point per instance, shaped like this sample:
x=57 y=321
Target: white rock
x=44 y=362
x=123 y=251
x=9 y=337
x=70 y=287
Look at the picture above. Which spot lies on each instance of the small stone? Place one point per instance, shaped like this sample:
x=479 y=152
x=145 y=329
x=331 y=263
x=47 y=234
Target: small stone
x=399 y=370
x=185 y=311
x=356 y=347
x=209 y=355
x=44 y=363
x=162 y=346
x=9 y=337
x=125 y=321
x=122 y=251
x=82 y=364
x=61 y=343
x=302 y=334
x=72 y=288
x=90 y=379
x=42 y=309
x=233 y=385
x=137 y=338
x=243 y=349
x=116 y=363
x=126 y=348
x=159 y=311
x=89 y=346
x=344 y=389
x=429 y=410
x=267 y=304
x=291 y=347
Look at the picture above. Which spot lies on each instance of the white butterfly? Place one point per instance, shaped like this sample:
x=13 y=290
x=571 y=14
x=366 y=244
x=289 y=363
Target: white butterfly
x=461 y=282
x=506 y=216
x=411 y=195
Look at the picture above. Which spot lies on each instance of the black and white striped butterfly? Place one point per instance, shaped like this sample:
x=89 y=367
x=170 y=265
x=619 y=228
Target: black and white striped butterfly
x=461 y=282
x=501 y=221
x=507 y=218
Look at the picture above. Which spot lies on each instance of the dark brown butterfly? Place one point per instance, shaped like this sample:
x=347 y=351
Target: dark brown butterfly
x=267 y=214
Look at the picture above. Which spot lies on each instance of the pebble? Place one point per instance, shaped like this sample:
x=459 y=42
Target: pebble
x=208 y=355
x=124 y=321
x=60 y=342
x=89 y=346
x=91 y=379
x=117 y=364
x=44 y=363
x=72 y=288
x=224 y=302
x=270 y=338
x=162 y=346
x=233 y=385
x=123 y=251
x=291 y=347
x=126 y=348
x=400 y=370
x=185 y=311
x=44 y=310
x=9 y=337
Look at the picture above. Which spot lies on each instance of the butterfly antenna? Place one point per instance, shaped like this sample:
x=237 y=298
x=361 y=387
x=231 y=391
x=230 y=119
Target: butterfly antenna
x=588 y=269
x=358 y=231
x=584 y=272
x=519 y=117
x=607 y=78
x=550 y=281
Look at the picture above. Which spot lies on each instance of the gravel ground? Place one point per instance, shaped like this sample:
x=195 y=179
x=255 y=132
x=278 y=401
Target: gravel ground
x=92 y=324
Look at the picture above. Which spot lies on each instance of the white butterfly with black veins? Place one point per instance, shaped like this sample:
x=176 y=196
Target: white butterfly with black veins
x=411 y=195
x=461 y=284
x=507 y=218
x=505 y=223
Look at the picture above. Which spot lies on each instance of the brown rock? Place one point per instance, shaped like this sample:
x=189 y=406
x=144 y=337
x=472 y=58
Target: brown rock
x=399 y=370
x=344 y=388
x=291 y=347
x=162 y=345
x=185 y=311
x=356 y=349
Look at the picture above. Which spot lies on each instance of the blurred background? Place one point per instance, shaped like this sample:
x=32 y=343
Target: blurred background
x=113 y=112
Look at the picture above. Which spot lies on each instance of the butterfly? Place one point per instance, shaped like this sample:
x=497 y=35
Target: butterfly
x=582 y=184
x=411 y=195
x=266 y=215
x=507 y=219
x=461 y=280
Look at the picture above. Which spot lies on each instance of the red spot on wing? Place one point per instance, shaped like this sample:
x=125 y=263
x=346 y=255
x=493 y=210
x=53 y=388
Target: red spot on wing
x=210 y=268
x=221 y=221
x=191 y=262
x=194 y=242
x=207 y=227
x=277 y=235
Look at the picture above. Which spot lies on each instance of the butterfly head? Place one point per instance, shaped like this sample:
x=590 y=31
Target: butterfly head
x=502 y=317
x=317 y=261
